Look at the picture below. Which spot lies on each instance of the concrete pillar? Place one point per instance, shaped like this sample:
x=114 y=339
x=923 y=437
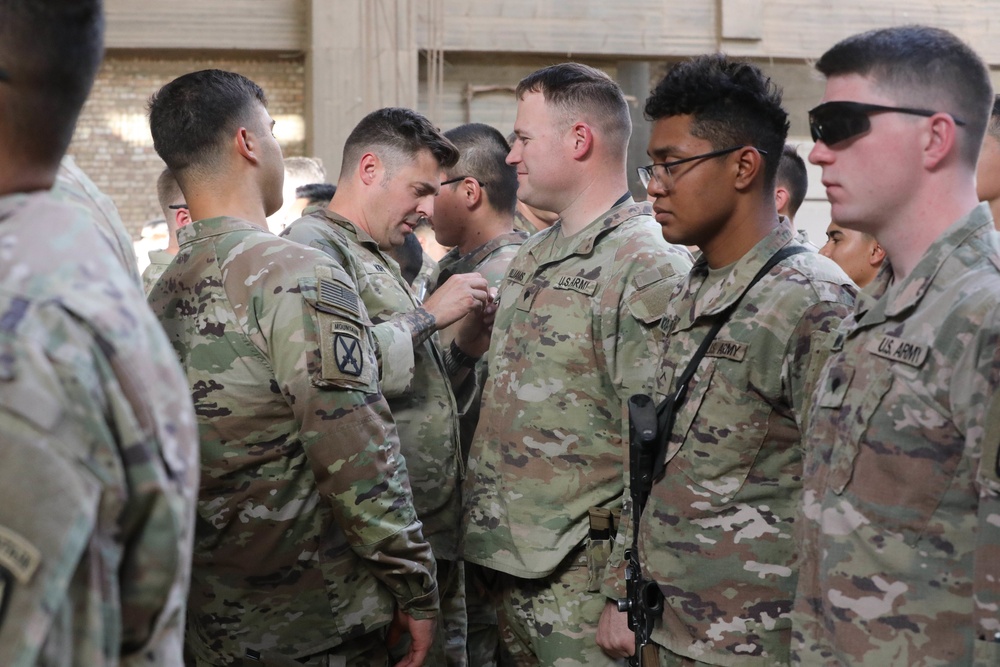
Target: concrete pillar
x=361 y=56
x=633 y=77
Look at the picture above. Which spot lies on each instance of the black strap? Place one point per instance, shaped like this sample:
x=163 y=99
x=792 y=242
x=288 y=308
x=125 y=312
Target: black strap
x=668 y=407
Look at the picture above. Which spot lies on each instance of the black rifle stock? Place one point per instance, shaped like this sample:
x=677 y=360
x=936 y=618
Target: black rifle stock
x=643 y=600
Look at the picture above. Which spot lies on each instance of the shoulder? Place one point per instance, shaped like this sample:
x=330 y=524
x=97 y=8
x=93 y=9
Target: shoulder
x=821 y=278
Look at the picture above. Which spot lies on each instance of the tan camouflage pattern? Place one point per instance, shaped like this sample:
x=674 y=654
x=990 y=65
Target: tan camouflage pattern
x=900 y=527
x=717 y=532
x=99 y=452
x=74 y=186
x=159 y=260
x=307 y=535
x=574 y=337
x=414 y=379
x=426 y=278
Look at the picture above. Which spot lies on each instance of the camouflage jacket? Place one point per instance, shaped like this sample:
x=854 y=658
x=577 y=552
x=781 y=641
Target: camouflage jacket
x=307 y=535
x=489 y=260
x=74 y=186
x=716 y=534
x=574 y=337
x=159 y=260
x=413 y=373
x=900 y=527
x=99 y=469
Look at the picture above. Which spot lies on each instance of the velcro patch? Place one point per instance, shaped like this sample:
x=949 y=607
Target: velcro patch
x=346 y=328
x=727 y=349
x=347 y=352
x=336 y=295
x=18 y=556
x=577 y=284
x=897 y=349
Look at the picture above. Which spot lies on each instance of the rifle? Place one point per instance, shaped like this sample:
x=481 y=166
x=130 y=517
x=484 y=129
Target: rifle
x=643 y=601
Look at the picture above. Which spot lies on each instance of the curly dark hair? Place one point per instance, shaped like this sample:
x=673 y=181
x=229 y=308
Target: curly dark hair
x=399 y=134
x=731 y=102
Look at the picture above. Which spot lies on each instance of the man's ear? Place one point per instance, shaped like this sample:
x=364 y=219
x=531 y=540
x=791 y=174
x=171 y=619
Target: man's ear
x=581 y=139
x=473 y=191
x=369 y=168
x=940 y=140
x=781 y=198
x=749 y=164
x=877 y=255
x=246 y=144
x=182 y=217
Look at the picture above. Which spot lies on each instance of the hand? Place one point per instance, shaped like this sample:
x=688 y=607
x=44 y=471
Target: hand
x=460 y=295
x=613 y=635
x=473 y=333
x=421 y=636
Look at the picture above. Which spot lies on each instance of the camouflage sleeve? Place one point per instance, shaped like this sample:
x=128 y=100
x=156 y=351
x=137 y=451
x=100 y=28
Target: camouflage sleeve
x=395 y=340
x=633 y=346
x=323 y=361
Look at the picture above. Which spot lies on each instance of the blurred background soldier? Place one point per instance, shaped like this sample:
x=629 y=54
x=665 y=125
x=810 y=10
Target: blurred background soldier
x=308 y=543
x=175 y=212
x=988 y=169
x=99 y=473
x=857 y=253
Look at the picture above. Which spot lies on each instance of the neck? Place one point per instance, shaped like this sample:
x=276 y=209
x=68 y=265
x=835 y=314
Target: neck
x=345 y=204
x=16 y=178
x=745 y=228
x=596 y=195
x=219 y=202
x=483 y=229
x=909 y=233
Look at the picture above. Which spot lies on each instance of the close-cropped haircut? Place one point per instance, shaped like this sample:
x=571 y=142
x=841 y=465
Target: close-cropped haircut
x=793 y=177
x=396 y=135
x=731 y=103
x=193 y=116
x=167 y=193
x=483 y=155
x=50 y=51
x=919 y=66
x=584 y=93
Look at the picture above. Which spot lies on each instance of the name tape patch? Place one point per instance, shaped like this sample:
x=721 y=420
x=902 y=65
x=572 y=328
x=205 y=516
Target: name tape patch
x=577 y=284
x=897 y=349
x=727 y=349
x=334 y=294
x=517 y=275
x=18 y=556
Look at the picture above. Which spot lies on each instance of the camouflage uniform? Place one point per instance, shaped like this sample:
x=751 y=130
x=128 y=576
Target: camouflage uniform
x=716 y=534
x=523 y=224
x=420 y=396
x=489 y=260
x=159 y=260
x=99 y=472
x=426 y=278
x=575 y=336
x=307 y=536
x=900 y=527
x=73 y=185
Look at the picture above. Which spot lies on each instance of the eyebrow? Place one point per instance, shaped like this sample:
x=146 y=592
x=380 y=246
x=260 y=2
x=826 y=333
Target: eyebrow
x=660 y=153
x=428 y=188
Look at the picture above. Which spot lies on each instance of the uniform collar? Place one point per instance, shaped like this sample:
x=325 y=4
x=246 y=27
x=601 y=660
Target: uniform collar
x=353 y=231
x=732 y=287
x=582 y=243
x=201 y=229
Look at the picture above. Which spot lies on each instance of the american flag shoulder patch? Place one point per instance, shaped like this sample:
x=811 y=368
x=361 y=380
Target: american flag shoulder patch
x=336 y=295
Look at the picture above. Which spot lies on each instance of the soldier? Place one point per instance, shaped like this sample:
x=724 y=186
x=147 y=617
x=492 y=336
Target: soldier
x=175 y=212
x=389 y=178
x=857 y=253
x=574 y=338
x=988 y=168
x=308 y=540
x=900 y=524
x=716 y=534
x=99 y=471
x=474 y=212
x=791 y=185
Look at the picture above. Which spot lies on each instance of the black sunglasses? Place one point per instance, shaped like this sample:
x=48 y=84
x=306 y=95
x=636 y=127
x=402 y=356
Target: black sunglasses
x=177 y=207
x=462 y=178
x=833 y=122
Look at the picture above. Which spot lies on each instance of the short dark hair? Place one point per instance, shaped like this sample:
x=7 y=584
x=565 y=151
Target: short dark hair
x=582 y=91
x=920 y=63
x=396 y=134
x=192 y=117
x=483 y=155
x=50 y=50
x=316 y=193
x=731 y=102
x=167 y=193
x=793 y=177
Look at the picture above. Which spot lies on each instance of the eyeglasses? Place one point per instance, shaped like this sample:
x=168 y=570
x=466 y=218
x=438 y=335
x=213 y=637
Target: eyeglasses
x=661 y=170
x=833 y=122
x=177 y=207
x=462 y=178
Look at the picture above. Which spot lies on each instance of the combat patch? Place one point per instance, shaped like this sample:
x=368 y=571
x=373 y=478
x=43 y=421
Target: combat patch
x=897 y=349
x=347 y=352
x=727 y=349
x=18 y=556
x=335 y=295
x=577 y=284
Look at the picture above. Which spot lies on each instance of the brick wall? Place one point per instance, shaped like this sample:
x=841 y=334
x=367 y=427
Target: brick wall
x=112 y=142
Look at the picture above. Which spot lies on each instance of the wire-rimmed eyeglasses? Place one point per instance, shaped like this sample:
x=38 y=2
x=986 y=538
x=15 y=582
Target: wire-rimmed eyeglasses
x=661 y=170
